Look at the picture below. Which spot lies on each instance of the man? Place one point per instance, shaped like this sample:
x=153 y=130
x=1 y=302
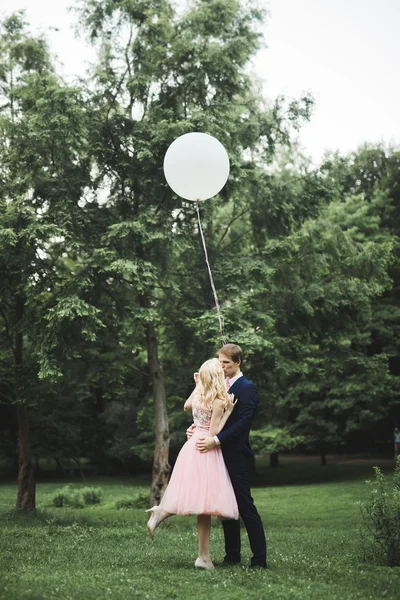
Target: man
x=234 y=441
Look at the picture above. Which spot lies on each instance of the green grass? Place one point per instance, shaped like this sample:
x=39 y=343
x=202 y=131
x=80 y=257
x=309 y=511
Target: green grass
x=100 y=552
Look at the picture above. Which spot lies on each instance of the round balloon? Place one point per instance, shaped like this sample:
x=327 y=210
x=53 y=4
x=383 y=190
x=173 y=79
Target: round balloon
x=196 y=166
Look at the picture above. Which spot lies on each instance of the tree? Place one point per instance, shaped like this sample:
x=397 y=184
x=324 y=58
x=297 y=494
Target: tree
x=159 y=76
x=326 y=282
x=44 y=169
x=273 y=440
x=366 y=182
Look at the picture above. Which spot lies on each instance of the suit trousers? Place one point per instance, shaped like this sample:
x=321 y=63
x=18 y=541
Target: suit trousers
x=239 y=473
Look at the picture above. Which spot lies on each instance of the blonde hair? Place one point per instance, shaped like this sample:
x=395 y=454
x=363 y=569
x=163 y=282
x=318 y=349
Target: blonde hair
x=211 y=384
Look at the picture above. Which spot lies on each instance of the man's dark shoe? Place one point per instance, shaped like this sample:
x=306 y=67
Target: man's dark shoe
x=225 y=564
x=257 y=567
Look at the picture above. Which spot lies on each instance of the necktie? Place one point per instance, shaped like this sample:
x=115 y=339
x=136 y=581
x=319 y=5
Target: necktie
x=228 y=383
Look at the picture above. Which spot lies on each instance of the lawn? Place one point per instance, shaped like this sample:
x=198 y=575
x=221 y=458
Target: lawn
x=100 y=552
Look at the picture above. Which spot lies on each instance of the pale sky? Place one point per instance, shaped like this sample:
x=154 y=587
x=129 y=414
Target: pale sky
x=346 y=52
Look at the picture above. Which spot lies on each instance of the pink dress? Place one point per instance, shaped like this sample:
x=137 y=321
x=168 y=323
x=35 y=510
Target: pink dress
x=200 y=483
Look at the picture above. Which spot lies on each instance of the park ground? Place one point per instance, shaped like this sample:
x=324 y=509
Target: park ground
x=311 y=516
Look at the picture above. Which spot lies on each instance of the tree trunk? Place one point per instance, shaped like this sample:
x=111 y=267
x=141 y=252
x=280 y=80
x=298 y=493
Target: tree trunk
x=323 y=456
x=26 y=495
x=60 y=468
x=26 y=475
x=274 y=459
x=161 y=467
x=78 y=463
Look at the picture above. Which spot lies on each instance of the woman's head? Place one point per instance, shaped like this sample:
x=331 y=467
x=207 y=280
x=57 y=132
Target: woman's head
x=211 y=371
x=212 y=382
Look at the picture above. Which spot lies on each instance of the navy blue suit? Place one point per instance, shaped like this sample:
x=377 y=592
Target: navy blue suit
x=237 y=453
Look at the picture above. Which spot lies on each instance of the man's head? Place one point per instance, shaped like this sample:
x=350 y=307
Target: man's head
x=230 y=357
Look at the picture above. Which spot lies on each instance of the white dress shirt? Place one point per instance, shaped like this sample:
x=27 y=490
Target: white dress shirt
x=229 y=384
x=234 y=379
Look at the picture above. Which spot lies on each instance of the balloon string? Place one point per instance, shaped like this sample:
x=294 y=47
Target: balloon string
x=221 y=328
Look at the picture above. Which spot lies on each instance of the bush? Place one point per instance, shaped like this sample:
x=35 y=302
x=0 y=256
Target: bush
x=124 y=503
x=92 y=495
x=67 y=497
x=59 y=498
x=380 y=514
x=141 y=500
x=76 y=498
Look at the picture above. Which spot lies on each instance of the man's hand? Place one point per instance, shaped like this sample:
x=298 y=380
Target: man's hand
x=190 y=431
x=205 y=444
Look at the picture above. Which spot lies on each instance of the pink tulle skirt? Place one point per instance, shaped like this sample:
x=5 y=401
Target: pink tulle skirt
x=200 y=483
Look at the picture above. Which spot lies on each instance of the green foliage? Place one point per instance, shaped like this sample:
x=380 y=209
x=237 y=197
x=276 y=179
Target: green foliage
x=380 y=514
x=94 y=246
x=272 y=439
x=124 y=503
x=67 y=497
x=91 y=495
x=44 y=167
x=59 y=498
x=76 y=498
x=326 y=281
x=141 y=500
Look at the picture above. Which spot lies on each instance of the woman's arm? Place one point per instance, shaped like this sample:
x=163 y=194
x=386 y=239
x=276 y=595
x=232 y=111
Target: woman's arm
x=188 y=404
x=216 y=417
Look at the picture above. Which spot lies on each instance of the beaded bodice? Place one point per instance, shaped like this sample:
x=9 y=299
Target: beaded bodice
x=201 y=415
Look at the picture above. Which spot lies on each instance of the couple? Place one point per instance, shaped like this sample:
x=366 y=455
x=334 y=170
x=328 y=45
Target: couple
x=211 y=473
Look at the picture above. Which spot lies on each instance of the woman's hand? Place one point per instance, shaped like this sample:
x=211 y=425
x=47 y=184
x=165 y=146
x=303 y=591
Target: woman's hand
x=190 y=431
x=231 y=405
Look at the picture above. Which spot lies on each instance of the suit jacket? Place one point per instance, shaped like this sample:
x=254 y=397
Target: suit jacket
x=234 y=437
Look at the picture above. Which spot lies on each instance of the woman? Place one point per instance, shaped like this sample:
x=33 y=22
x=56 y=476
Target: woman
x=200 y=483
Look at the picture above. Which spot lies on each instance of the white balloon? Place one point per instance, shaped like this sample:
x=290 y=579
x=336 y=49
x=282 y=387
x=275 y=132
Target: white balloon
x=196 y=166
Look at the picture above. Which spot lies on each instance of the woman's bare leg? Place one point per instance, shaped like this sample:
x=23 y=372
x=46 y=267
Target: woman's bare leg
x=204 y=533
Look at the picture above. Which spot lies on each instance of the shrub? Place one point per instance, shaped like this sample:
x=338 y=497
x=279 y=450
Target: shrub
x=141 y=500
x=76 y=498
x=380 y=525
x=92 y=495
x=59 y=498
x=124 y=503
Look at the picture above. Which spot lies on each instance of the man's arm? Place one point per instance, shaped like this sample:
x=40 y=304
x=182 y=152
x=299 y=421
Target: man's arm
x=208 y=443
x=247 y=407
